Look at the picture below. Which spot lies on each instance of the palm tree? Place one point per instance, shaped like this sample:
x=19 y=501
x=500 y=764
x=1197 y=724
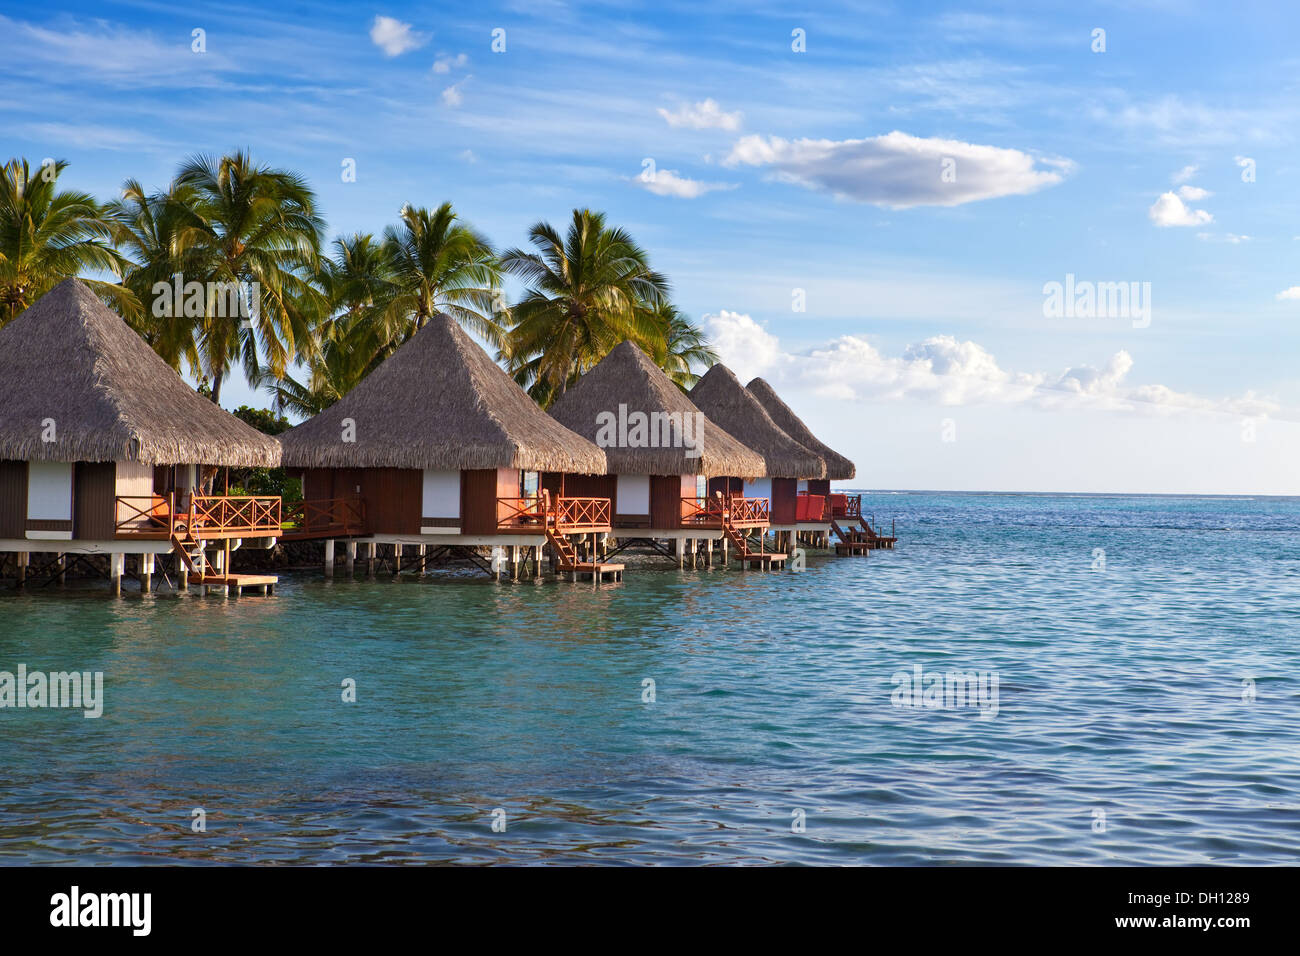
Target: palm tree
x=684 y=346
x=256 y=227
x=584 y=295
x=152 y=230
x=48 y=235
x=440 y=265
x=358 y=283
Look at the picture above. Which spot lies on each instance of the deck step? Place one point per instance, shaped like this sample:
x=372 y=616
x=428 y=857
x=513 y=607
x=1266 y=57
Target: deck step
x=238 y=581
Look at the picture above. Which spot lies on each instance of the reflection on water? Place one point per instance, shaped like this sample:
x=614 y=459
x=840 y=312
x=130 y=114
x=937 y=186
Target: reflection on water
x=1121 y=691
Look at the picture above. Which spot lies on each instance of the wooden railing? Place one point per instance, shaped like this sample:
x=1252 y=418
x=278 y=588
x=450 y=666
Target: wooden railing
x=336 y=516
x=743 y=512
x=233 y=516
x=144 y=515
x=199 y=516
x=565 y=515
x=577 y=515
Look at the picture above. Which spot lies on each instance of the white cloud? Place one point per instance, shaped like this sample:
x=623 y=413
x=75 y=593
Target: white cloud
x=1193 y=193
x=899 y=171
x=1291 y=293
x=742 y=344
x=666 y=182
x=1184 y=174
x=946 y=371
x=452 y=96
x=706 y=114
x=468 y=156
x=444 y=64
x=1169 y=210
x=1229 y=237
x=395 y=37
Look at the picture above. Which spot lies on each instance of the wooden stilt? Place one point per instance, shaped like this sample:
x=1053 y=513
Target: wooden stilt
x=371 y=547
x=63 y=569
x=146 y=573
x=115 y=566
x=397 y=559
x=22 y=567
x=329 y=557
x=350 y=557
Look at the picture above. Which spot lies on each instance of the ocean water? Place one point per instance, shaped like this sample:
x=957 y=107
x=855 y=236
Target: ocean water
x=1147 y=708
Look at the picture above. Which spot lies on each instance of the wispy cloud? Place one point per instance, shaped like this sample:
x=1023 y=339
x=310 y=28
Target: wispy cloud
x=899 y=171
x=1169 y=210
x=667 y=182
x=452 y=96
x=445 y=64
x=945 y=370
x=706 y=114
x=395 y=37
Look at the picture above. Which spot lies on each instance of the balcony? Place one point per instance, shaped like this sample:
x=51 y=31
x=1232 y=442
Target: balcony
x=324 y=518
x=159 y=517
x=740 y=512
x=566 y=515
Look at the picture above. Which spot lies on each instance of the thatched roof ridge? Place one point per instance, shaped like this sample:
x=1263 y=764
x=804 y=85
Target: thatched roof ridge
x=439 y=402
x=720 y=395
x=627 y=377
x=70 y=360
x=838 y=468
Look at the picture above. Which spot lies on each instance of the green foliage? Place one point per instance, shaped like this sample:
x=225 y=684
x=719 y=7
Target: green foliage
x=263 y=419
x=266 y=481
x=228 y=221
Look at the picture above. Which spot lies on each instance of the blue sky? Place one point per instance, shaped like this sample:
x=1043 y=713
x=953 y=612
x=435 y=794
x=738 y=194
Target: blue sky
x=919 y=171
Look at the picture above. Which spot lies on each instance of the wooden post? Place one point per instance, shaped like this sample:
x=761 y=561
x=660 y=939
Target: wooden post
x=22 y=568
x=182 y=573
x=514 y=562
x=350 y=557
x=115 y=563
x=371 y=547
x=329 y=557
x=397 y=559
x=725 y=558
x=146 y=573
x=223 y=566
x=63 y=569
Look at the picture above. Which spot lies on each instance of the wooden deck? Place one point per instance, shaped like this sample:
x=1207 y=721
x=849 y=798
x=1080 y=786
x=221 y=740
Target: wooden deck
x=763 y=559
x=597 y=570
x=265 y=582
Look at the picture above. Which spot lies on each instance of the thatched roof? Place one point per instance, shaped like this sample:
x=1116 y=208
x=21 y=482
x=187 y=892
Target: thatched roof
x=720 y=395
x=71 y=359
x=439 y=402
x=838 y=468
x=627 y=377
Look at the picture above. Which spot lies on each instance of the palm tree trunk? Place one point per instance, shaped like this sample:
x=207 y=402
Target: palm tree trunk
x=216 y=388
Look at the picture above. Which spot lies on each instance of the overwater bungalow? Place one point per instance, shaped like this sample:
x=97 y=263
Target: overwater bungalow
x=842 y=512
x=105 y=450
x=662 y=451
x=721 y=396
x=439 y=449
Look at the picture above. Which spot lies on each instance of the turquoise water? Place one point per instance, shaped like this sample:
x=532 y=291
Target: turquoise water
x=1121 y=690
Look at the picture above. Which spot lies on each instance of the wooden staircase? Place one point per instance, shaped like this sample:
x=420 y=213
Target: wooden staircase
x=189 y=551
x=859 y=540
x=567 y=559
x=739 y=539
